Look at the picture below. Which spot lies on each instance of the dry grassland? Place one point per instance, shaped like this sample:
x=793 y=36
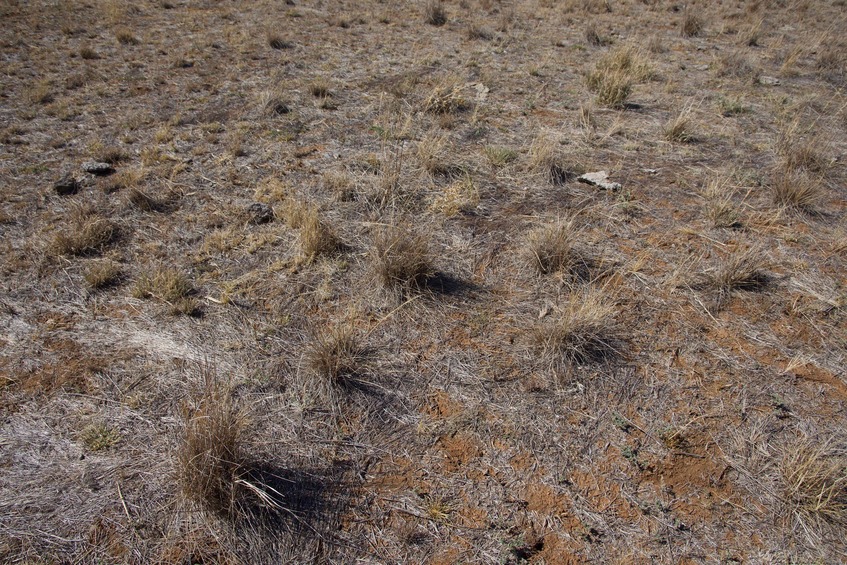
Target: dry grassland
x=317 y=281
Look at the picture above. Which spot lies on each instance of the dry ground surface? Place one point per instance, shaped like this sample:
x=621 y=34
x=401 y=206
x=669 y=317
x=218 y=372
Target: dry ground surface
x=341 y=297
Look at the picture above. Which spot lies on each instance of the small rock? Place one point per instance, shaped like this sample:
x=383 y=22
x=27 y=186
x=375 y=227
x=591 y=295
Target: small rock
x=66 y=185
x=600 y=179
x=260 y=213
x=769 y=81
x=98 y=168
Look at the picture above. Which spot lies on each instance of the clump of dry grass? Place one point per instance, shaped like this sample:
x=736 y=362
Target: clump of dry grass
x=499 y=156
x=88 y=233
x=550 y=248
x=615 y=74
x=125 y=37
x=446 y=98
x=691 y=26
x=434 y=13
x=545 y=158
x=336 y=359
x=814 y=480
x=102 y=274
x=796 y=190
x=273 y=103
x=277 y=41
x=431 y=153
x=802 y=150
x=477 y=31
x=168 y=285
x=99 y=436
x=317 y=238
x=460 y=196
x=720 y=208
x=741 y=270
x=211 y=464
x=681 y=127
x=736 y=64
x=584 y=331
x=402 y=259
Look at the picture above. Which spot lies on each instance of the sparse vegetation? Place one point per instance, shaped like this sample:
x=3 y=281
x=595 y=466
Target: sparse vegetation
x=437 y=343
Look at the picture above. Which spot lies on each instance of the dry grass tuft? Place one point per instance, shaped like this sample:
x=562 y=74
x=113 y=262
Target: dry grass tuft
x=274 y=103
x=446 y=98
x=97 y=437
x=168 y=285
x=550 y=248
x=585 y=331
x=741 y=270
x=802 y=152
x=461 y=196
x=276 y=41
x=211 y=461
x=316 y=237
x=499 y=156
x=89 y=233
x=615 y=74
x=720 y=208
x=434 y=13
x=736 y=64
x=103 y=274
x=681 y=128
x=545 y=159
x=692 y=25
x=125 y=37
x=336 y=358
x=815 y=485
x=796 y=190
x=402 y=259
